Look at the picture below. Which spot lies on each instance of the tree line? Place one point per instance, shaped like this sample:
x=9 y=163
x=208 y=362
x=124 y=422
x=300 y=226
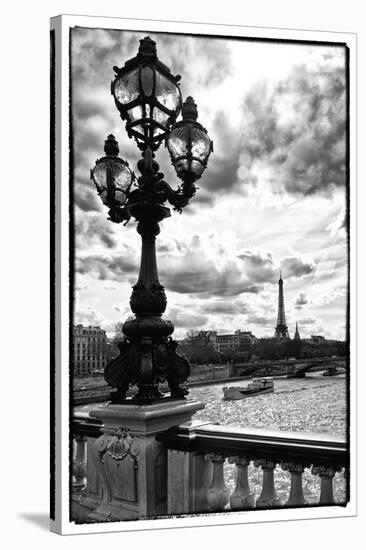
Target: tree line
x=265 y=349
x=200 y=351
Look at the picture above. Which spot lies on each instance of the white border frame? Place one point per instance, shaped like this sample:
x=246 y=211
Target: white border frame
x=62 y=24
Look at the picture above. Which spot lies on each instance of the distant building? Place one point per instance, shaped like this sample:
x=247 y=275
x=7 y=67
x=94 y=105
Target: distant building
x=240 y=340
x=206 y=338
x=317 y=339
x=297 y=335
x=227 y=342
x=90 y=349
x=246 y=339
x=221 y=343
x=197 y=343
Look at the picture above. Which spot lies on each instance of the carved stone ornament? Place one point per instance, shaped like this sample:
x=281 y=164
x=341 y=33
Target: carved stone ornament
x=118 y=446
x=238 y=460
x=324 y=471
x=293 y=467
x=216 y=458
x=265 y=464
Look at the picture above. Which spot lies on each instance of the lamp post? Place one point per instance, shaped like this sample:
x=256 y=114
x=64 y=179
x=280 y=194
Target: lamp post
x=148 y=98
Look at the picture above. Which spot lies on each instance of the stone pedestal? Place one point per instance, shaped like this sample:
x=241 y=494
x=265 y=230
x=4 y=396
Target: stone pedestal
x=131 y=466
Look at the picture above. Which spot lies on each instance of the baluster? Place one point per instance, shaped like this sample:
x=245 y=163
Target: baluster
x=202 y=473
x=79 y=462
x=242 y=498
x=217 y=494
x=326 y=483
x=296 y=497
x=268 y=497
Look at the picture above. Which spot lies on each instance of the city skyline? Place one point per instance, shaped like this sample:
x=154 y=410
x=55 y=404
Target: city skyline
x=272 y=198
x=111 y=334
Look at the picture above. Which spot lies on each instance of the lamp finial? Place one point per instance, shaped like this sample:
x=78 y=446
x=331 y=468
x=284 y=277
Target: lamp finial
x=111 y=146
x=147 y=48
x=189 y=109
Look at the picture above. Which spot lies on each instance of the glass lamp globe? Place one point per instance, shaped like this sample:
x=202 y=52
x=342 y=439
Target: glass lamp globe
x=147 y=96
x=112 y=175
x=188 y=144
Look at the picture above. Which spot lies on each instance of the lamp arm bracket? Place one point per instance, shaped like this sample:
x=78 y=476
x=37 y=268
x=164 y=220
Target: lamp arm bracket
x=119 y=214
x=178 y=198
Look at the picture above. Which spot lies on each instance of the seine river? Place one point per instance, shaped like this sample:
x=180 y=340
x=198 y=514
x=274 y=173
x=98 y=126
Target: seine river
x=311 y=404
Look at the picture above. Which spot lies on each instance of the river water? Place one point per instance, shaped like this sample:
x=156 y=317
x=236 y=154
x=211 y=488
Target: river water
x=311 y=404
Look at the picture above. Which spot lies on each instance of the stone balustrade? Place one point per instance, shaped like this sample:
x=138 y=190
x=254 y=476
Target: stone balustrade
x=211 y=445
x=194 y=457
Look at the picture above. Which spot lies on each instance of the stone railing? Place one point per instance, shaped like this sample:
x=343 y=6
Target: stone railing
x=203 y=461
x=196 y=458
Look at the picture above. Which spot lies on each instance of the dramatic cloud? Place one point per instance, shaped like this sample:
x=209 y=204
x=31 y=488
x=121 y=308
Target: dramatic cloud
x=96 y=51
x=86 y=199
x=260 y=320
x=224 y=307
x=229 y=282
x=297 y=267
x=212 y=59
x=94 y=229
x=107 y=267
x=301 y=300
x=224 y=162
x=296 y=129
x=307 y=321
x=259 y=266
x=203 y=266
x=182 y=319
x=88 y=316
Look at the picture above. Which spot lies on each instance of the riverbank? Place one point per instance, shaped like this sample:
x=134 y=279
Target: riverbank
x=94 y=388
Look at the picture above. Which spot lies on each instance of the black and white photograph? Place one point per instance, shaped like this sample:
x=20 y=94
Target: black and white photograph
x=208 y=263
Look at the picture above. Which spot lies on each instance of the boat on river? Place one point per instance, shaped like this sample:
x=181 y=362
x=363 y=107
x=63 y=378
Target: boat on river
x=255 y=387
x=333 y=371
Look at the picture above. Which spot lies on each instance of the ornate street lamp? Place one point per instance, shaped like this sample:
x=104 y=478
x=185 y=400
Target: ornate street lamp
x=188 y=144
x=112 y=177
x=148 y=97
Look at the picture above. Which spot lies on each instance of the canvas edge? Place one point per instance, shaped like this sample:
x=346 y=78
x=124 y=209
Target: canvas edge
x=61 y=25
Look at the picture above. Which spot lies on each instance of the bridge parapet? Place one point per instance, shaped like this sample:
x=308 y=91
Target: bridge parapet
x=193 y=461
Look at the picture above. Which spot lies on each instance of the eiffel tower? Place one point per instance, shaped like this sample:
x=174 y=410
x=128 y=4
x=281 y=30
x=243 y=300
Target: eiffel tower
x=281 y=331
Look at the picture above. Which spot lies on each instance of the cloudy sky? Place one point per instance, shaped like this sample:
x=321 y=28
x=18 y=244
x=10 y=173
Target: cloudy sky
x=271 y=199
